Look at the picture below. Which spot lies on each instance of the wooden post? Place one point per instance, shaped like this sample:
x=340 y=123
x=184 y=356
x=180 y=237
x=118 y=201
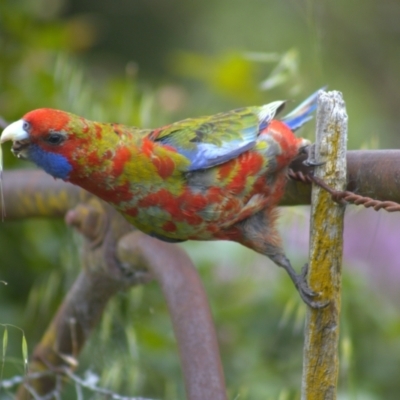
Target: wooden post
x=320 y=364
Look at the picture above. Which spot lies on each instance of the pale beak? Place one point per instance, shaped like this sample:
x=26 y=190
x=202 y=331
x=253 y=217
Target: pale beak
x=14 y=132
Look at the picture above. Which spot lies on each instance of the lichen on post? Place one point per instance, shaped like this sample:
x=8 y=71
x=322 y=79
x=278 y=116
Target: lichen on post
x=320 y=364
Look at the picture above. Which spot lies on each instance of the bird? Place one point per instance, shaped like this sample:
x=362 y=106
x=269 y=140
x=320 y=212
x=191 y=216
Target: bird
x=217 y=177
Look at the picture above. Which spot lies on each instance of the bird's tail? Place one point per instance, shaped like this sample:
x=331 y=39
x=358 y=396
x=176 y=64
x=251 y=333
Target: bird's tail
x=302 y=113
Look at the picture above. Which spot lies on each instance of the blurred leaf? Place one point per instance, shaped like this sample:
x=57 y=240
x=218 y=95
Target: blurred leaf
x=5 y=344
x=25 y=351
x=229 y=74
x=287 y=70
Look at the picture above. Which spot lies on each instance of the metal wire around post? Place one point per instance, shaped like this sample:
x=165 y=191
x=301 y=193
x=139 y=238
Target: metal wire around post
x=345 y=196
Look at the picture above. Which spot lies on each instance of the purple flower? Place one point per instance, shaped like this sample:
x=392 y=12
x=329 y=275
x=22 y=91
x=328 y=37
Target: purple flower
x=371 y=243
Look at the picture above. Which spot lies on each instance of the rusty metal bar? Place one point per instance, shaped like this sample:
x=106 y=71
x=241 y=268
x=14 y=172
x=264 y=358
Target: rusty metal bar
x=189 y=309
x=373 y=173
x=33 y=193
x=115 y=258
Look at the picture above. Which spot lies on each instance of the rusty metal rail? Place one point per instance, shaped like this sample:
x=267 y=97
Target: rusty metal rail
x=115 y=257
x=372 y=173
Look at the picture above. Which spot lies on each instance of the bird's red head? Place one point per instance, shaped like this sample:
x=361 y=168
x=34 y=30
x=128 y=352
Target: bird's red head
x=48 y=138
x=44 y=121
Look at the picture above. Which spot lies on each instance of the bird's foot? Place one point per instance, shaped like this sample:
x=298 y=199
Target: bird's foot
x=308 y=295
x=296 y=173
x=299 y=280
x=311 y=161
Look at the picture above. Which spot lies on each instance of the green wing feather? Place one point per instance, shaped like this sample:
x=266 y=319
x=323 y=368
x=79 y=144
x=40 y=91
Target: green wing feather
x=213 y=140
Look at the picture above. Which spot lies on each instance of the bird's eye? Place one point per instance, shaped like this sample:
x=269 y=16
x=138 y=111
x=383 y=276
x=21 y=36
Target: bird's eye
x=55 y=138
x=26 y=126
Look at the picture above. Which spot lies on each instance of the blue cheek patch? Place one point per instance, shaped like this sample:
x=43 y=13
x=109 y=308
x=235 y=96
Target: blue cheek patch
x=54 y=164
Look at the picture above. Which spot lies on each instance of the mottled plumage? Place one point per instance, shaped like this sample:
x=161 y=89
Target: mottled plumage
x=216 y=177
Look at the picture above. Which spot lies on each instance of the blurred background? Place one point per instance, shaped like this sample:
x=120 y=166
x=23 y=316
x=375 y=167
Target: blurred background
x=151 y=62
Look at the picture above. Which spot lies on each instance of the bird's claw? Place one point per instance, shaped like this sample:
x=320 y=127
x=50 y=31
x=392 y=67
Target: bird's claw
x=311 y=161
x=306 y=293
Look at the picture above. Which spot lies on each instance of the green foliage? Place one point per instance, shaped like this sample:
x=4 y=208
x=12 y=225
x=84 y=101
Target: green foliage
x=46 y=61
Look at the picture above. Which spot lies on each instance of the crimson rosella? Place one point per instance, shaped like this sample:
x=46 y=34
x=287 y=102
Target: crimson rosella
x=219 y=177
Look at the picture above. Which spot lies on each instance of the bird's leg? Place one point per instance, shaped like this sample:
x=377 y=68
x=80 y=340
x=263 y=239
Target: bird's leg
x=260 y=234
x=299 y=280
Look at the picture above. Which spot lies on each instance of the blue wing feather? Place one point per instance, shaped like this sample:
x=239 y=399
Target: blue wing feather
x=302 y=113
x=207 y=155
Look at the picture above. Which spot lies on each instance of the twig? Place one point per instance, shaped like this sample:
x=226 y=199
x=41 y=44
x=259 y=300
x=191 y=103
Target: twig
x=320 y=365
x=91 y=385
x=16 y=380
x=88 y=383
